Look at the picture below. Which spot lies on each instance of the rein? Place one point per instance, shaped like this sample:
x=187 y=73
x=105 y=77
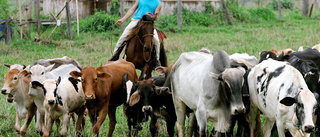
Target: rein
x=146 y=35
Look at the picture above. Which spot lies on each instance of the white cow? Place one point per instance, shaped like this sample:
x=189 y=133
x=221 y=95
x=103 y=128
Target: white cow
x=210 y=87
x=279 y=91
x=40 y=73
x=61 y=100
x=17 y=84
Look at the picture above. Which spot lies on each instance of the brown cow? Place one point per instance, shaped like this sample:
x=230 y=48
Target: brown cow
x=103 y=91
x=17 y=84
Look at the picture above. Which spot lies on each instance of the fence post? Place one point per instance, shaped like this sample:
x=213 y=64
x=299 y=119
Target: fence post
x=7 y=32
x=69 y=21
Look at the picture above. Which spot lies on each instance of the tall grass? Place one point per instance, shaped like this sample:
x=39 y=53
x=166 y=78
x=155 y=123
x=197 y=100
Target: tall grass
x=244 y=36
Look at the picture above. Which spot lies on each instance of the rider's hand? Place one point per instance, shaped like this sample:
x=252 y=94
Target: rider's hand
x=119 y=22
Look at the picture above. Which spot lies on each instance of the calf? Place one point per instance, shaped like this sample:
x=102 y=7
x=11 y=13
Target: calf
x=134 y=113
x=279 y=91
x=155 y=105
x=62 y=98
x=17 y=84
x=103 y=91
x=18 y=67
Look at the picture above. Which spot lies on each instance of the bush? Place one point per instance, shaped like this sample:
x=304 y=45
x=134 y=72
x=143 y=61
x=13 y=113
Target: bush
x=285 y=4
x=261 y=14
x=99 y=22
x=115 y=5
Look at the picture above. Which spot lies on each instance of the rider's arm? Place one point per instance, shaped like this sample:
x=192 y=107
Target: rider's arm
x=128 y=14
x=157 y=12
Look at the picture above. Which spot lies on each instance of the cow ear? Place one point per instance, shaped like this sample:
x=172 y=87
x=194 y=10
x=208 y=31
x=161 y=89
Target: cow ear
x=26 y=73
x=58 y=81
x=75 y=74
x=245 y=87
x=215 y=76
x=288 y=101
x=134 y=98
x=103 y=75
x=160 y=69
x=36 y=84
x=49 y=68
x=7 y=65
x=125 y=78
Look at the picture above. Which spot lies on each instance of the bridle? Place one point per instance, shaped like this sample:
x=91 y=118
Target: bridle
x=146 y=35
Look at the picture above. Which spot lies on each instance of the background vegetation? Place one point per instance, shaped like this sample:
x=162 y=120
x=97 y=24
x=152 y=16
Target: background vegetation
x=255 y=29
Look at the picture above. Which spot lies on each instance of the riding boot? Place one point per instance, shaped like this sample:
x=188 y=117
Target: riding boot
x=117 y=53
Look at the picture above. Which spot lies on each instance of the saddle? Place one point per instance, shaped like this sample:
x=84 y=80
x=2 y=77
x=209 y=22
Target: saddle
x=115 y=57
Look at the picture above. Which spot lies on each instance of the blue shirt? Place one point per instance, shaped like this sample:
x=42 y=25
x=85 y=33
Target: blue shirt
x=145 y=6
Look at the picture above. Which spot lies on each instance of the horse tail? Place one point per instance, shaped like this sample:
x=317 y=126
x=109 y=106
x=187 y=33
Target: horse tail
x=163 y=56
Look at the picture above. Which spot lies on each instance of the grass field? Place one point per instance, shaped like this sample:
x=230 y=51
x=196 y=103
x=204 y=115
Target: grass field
x=89 y=48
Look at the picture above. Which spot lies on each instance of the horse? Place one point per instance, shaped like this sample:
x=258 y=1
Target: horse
x=140 y=48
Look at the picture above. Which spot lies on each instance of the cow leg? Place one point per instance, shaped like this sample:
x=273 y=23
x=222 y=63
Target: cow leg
x=112 y=120
x=18 y=123
x=180 y=109
x=79 y=122
x=48 y=126
x=57 y=122
x=253 y=124
x=268 y=127
x=154 y=125
x=38 y=123
x=192 y=125
x=65 y=124
x=171 y=121
x=27 y=122
x=202 y=119
x=102 y=116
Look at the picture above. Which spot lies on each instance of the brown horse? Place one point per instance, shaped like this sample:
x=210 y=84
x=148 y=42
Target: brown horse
x=141 y=49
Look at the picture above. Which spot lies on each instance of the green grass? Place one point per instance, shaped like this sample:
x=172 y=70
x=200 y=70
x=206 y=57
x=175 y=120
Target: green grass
x=89 y=48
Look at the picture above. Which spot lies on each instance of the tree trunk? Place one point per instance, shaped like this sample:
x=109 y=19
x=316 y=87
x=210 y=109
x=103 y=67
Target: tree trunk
x=122 y=13
x=279 y=10
x=226 y=12
x=69 y=21
x=7 y=32
x=305 y=7
x=179 y=13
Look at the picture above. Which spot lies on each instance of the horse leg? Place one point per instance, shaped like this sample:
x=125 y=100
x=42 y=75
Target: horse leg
x=149 y=71
x=143 y=71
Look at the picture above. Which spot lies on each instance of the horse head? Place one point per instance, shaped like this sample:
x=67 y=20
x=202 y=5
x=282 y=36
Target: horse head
x=146 y=33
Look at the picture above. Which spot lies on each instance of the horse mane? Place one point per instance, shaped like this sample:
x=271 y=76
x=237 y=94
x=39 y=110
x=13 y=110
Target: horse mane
x=135 y=30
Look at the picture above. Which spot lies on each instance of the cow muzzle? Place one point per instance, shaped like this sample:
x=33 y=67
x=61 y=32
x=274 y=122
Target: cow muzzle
x=239 y=111
x=89 y=97
x=10 y=98
x=146 y=109
x=51 y=102
x=4 y=91
x=308 y=128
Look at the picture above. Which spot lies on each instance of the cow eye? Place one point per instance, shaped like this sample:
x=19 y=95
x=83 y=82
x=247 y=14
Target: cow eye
x=15 y=78
x=96 y=79
x=42 y=73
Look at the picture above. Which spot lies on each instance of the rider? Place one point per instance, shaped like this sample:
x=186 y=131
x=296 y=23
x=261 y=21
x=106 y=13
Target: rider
x=150 y=7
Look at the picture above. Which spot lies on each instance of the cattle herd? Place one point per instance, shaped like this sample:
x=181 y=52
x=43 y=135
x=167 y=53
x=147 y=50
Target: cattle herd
x=224 y=89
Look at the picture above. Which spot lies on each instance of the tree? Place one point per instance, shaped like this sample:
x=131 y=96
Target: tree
x=226 y=12
x=305 y=7
x=279 y=10
x=179 y=4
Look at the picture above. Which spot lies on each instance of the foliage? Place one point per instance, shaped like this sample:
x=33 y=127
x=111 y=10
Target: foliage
x=261 y=14
x=285 y=4
x=99 y=22
x=4 y=8
x=115 y=5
